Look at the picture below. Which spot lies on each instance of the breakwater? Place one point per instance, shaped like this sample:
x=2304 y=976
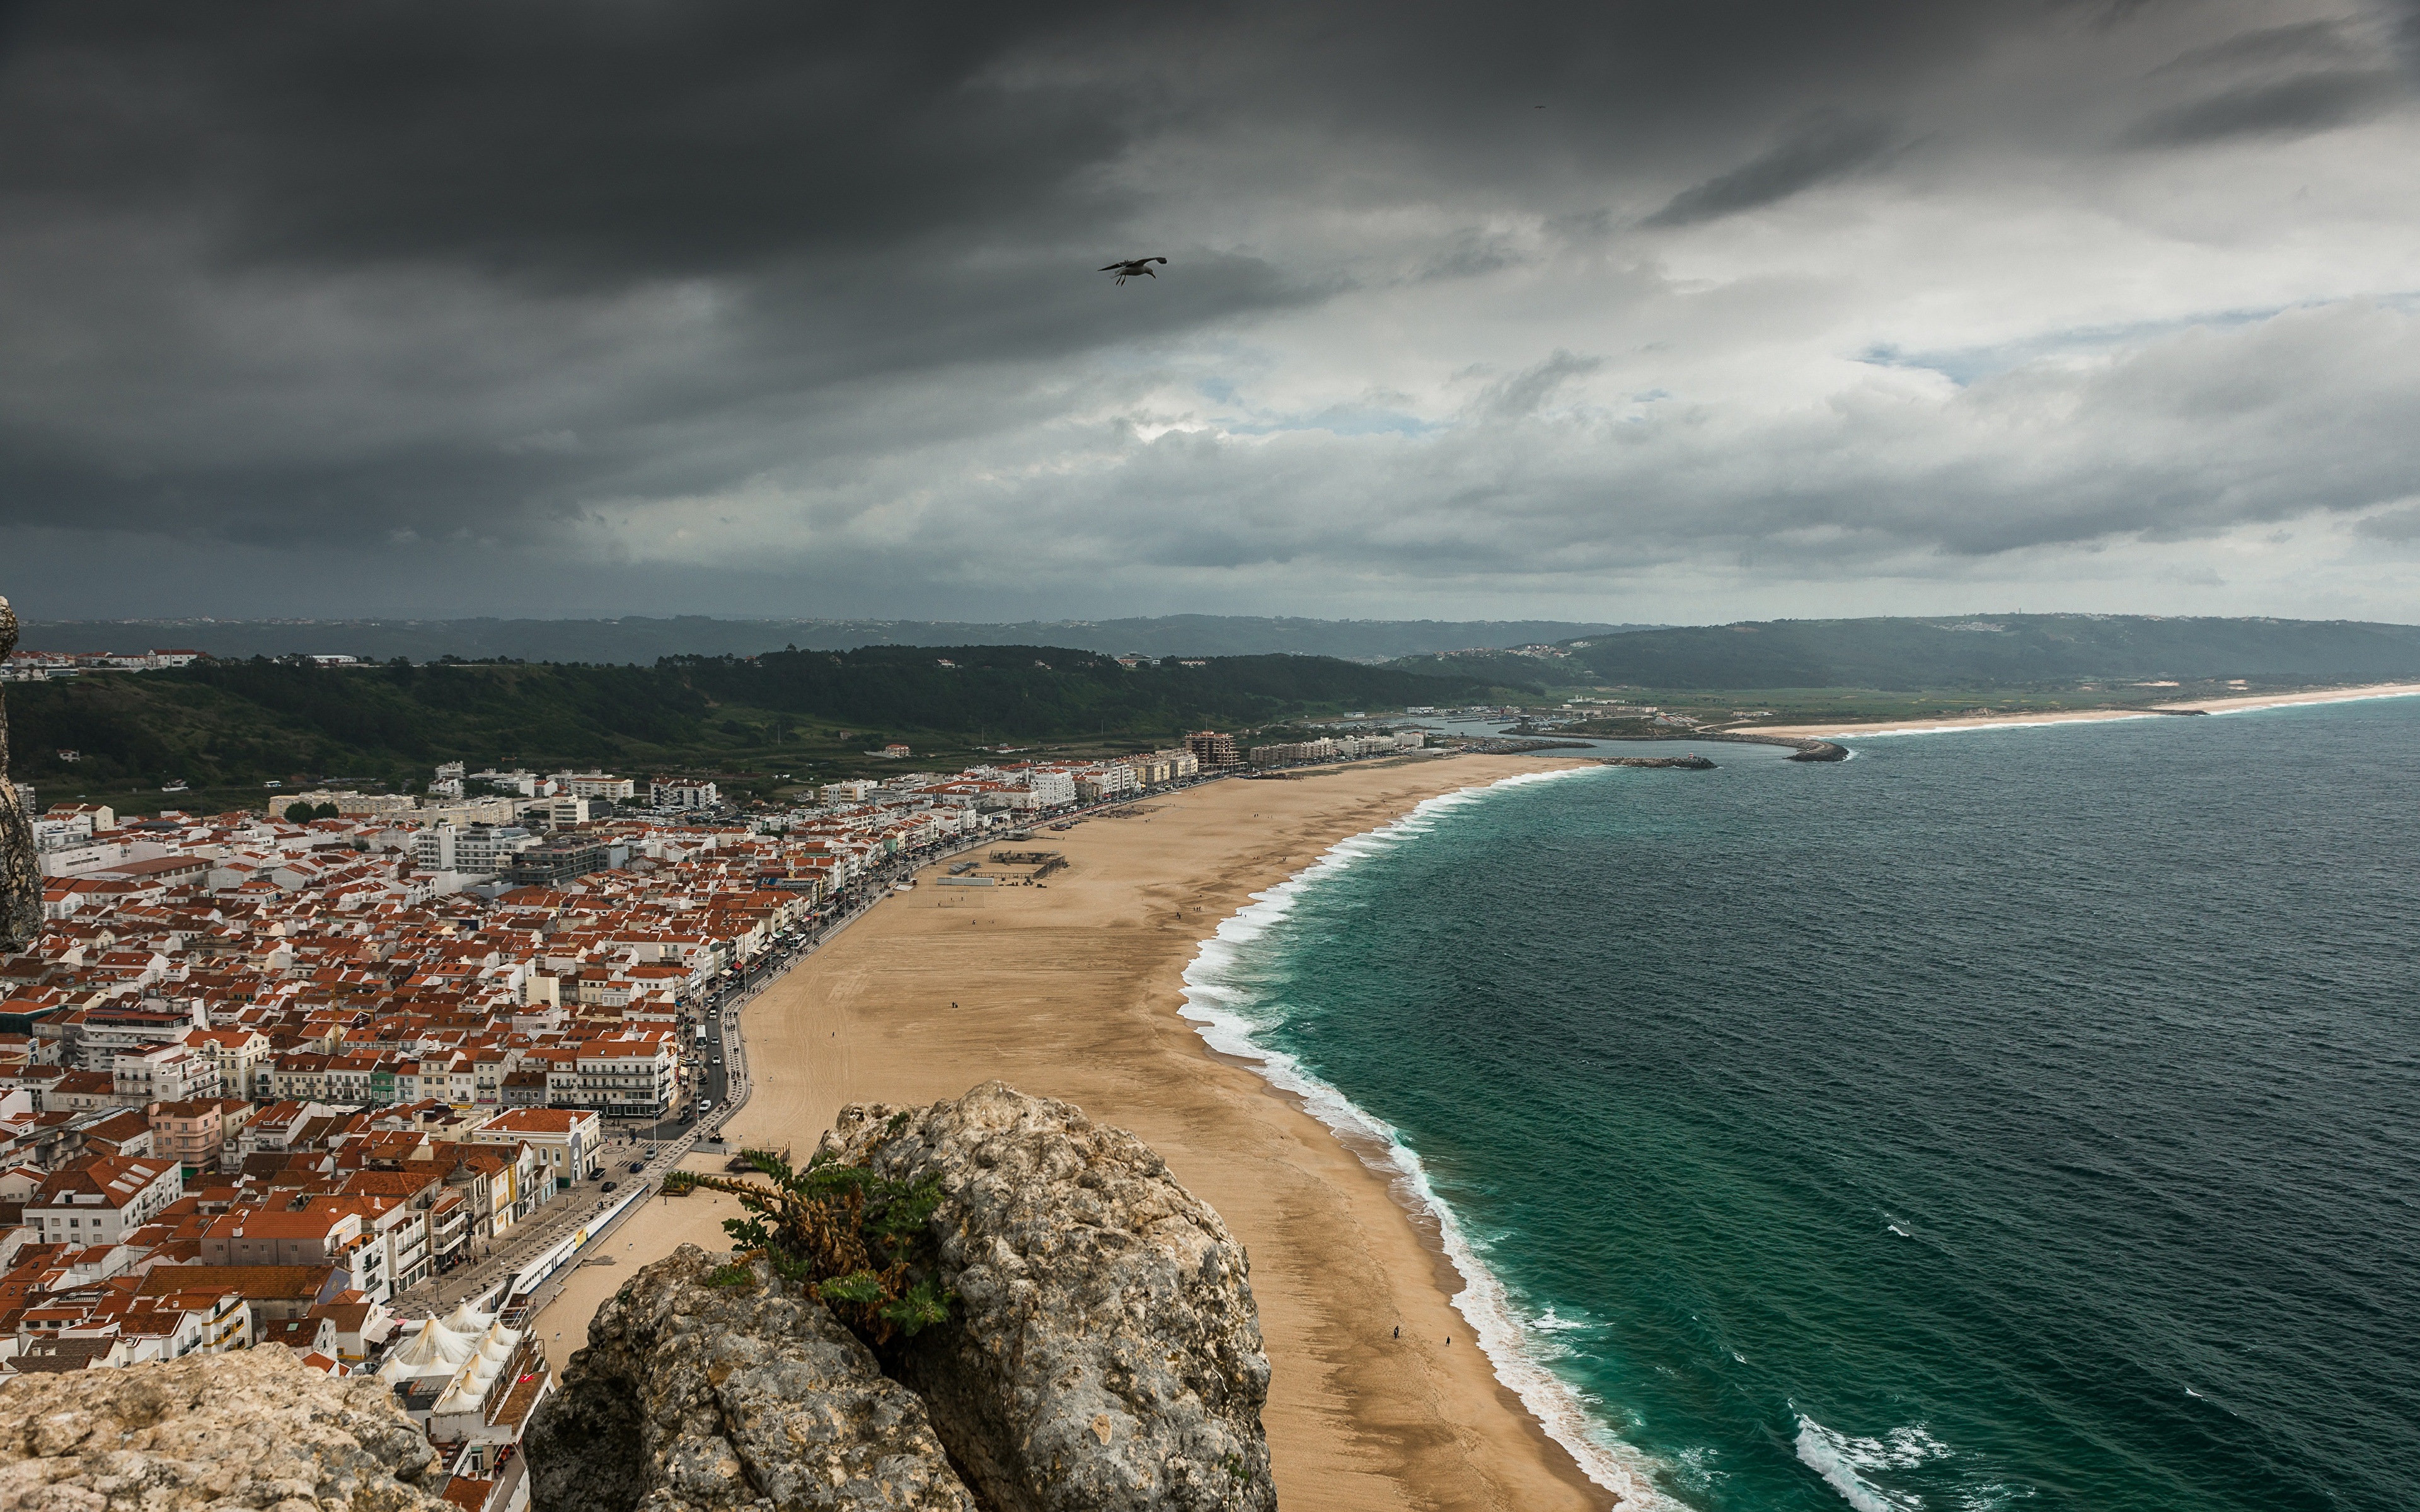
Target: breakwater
x=1686 y=764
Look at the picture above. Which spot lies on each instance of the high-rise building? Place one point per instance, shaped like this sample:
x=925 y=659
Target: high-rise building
x=1214 y=751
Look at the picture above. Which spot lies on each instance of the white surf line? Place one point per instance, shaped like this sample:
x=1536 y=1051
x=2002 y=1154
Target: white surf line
x=2316 y=699
x=1210 y=999
x=1995 y=725
x=2309 y=701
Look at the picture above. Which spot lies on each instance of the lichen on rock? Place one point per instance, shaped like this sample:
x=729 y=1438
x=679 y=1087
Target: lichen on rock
x=256 y=1428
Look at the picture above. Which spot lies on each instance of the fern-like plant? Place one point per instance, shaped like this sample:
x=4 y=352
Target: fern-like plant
x=854 y=1239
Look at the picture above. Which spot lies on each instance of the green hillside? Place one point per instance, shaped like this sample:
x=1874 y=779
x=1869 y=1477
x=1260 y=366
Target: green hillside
x=637 y=638
x=1974 y=652
x=229 y=726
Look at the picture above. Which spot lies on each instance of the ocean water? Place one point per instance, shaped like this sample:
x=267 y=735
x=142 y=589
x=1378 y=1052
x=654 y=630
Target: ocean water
x=2026 y=1119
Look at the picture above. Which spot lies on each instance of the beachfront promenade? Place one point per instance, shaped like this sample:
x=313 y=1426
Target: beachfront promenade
x=563 y=1215
x=529 y=1242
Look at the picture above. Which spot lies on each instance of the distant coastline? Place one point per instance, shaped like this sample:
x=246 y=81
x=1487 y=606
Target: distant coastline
x=1991 y=721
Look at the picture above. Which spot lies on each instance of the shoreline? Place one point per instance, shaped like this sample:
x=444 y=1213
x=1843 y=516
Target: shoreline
x=1480 y=1295
x=1079 y=989
x=2240 y=704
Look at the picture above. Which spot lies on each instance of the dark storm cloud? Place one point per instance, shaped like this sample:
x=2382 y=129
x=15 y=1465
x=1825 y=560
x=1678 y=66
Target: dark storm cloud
x=2305 y=41
x=241 y=232
x=2306 y=102
x=473 y=288
x=1824 y=147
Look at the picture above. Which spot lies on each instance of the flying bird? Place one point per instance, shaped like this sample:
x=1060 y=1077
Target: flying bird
x=1134 y=268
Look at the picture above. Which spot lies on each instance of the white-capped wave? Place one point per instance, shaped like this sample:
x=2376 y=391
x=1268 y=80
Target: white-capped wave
x=1214 y=1000
x=1843 y=1463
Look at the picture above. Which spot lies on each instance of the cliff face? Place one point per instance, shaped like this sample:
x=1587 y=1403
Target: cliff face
x=257 y=1428
x=693 y=1396
x=21 y=881
x=1103 y=1354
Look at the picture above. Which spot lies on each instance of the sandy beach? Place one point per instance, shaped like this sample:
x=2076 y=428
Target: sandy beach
x=1986 y=721
x=1072 y=990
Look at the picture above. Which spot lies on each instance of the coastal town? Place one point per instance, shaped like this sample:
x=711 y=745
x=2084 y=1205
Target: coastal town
x=364 y=1074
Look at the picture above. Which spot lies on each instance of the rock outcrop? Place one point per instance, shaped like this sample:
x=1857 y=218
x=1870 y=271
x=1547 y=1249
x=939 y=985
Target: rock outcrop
x=698 y=1396
x=1104 y=1353
x=20 y=880
x=258 y=1428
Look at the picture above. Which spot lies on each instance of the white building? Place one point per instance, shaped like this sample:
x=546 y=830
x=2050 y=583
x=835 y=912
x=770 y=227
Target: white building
x=1111 y=779
x=524 y=783
x=103 y=1200
x=567 y=1140
x=672 y=792
x=596 y=785
x=1050 y=788
x=165 y=1073
x=481 y=850
x=351 y=805
x=562 y=812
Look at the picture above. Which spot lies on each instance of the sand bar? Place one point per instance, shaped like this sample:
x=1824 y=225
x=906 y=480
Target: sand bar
x=1072 y=990
x=1986 y=721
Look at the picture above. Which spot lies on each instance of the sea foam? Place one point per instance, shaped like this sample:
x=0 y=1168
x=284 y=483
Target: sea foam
x=1843 y=1461
x=1215 y=1000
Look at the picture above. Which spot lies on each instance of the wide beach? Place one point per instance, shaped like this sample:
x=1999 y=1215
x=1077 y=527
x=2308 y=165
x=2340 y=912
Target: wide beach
x=1072 y=990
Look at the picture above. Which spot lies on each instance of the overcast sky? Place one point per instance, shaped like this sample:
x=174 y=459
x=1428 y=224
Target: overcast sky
x=1683 y=311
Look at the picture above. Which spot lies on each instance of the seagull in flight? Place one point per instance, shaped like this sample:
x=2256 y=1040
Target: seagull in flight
x=1134 y=268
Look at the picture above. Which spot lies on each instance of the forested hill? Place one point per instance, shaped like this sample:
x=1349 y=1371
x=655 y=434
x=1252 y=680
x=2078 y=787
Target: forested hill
x=224 y=724
x=1977 y=651
x=643 y=640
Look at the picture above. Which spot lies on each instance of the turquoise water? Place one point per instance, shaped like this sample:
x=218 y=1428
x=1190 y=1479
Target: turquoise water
x=2022 y=1119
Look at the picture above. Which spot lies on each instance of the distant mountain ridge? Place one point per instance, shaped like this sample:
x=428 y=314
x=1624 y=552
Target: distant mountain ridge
x=1972 y=651
x=640 y=640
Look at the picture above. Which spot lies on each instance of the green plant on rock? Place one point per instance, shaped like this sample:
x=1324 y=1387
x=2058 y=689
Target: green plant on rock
x=854 y=1239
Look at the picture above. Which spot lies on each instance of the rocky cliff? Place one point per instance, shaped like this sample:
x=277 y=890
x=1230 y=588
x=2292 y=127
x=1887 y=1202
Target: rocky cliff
x=258 y=1428
x=1102 y=1353
x=707 y=1387
x=20 y=882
